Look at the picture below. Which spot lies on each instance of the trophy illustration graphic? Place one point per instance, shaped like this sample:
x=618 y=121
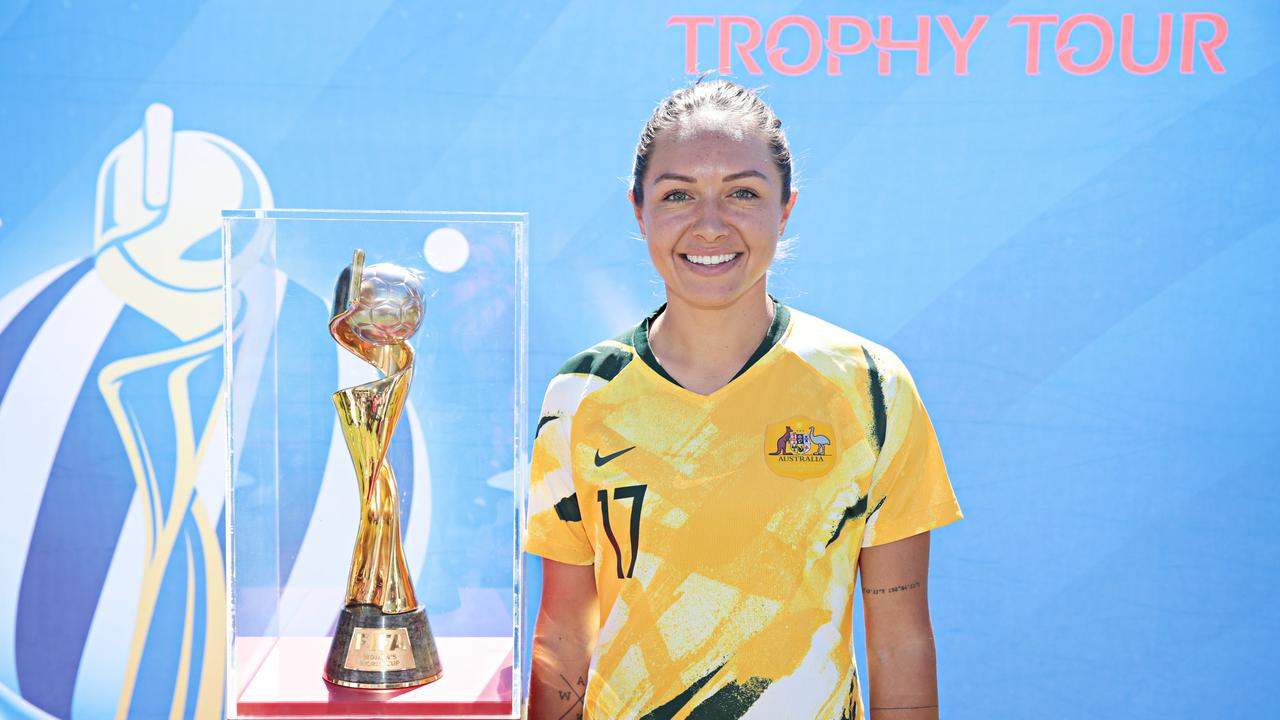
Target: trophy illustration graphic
x=383 y=639
x=159 y=197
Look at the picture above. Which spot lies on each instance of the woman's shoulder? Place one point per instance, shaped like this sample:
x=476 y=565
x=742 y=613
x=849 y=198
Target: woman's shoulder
x=603 y=360
x=834 y=350
x=588 y=371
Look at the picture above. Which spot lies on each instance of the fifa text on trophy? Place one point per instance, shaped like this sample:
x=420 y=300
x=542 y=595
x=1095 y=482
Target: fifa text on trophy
x=383 y=639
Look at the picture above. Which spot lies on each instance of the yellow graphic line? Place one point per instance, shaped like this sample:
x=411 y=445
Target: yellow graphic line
x=184 y=486
x=209 y=698
x=189 y=455
x=109 y=386
x=152 y=491
x=184 y=655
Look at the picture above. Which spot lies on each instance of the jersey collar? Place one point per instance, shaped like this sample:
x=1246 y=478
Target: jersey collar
x=640 y=341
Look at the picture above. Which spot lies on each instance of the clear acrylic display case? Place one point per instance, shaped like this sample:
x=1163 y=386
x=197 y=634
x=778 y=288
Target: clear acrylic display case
x=458 y=456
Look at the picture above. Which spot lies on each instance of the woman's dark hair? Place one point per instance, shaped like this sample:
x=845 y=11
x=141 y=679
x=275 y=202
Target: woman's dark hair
x=719 y=98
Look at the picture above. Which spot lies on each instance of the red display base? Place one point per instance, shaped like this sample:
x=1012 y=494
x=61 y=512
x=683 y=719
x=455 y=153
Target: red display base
x=287 y=683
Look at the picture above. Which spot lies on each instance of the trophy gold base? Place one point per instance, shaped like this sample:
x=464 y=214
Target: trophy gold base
x=379 y=651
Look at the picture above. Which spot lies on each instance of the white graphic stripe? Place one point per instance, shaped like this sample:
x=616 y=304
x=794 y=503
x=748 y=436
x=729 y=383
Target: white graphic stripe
x=102 y=662
x=211 y=480
x=42 y=395
x=13 y=303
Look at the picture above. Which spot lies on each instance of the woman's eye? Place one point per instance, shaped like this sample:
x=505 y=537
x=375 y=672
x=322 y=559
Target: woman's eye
x=676 y=196
x=745 y=194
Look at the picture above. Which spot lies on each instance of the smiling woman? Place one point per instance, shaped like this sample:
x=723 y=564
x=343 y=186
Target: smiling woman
x=713 y=222
x=707 y=485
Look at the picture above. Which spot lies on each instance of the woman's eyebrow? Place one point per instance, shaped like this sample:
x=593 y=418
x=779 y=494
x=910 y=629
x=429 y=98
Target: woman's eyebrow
x=726 y=178
x=673 y=176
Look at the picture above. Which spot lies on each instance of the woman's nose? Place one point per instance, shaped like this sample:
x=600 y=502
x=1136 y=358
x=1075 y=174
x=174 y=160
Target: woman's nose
x=711 y=226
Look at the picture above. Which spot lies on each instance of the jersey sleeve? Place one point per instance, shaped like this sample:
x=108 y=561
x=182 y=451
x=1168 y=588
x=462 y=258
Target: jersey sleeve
x=555 y=530
x=910 y=491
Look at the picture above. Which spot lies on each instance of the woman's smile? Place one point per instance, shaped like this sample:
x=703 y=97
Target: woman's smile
x=711 y=264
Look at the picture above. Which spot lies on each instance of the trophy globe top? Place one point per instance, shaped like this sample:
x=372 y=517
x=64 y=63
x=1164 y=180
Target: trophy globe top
x=389 y=308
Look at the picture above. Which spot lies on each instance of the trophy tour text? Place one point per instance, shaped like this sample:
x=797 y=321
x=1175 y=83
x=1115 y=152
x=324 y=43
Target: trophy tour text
x=1081 y=44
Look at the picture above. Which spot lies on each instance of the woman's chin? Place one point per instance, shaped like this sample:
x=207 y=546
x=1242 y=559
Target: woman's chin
x=707 y=297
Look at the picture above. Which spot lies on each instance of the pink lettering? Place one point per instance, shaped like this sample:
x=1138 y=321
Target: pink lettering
x=1164 y=44
x=835 y=48
x=775 y=53
x=961 y=44
x=691 y=23
x=920 y=45
x=1207 y=47
x=1067 y=53
x=741 y=36
x=727 y=23
x=1033 y=23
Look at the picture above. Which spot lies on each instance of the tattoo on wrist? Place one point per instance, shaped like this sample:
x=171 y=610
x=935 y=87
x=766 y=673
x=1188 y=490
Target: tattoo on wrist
x=575 y=694
x=908 y=707
x=894 y=589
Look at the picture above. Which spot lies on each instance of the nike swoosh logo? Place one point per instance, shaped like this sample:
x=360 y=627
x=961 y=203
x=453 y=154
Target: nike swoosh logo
x=600 y=461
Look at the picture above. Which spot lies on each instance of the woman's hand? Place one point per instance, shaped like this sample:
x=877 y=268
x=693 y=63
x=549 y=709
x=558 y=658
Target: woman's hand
x=563 y=640
x=900 y=652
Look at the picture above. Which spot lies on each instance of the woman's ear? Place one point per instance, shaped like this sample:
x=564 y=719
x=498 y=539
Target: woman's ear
x=786 y=211
x=631 y=194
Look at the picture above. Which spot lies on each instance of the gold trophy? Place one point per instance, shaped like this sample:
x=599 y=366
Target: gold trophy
x=383 y=640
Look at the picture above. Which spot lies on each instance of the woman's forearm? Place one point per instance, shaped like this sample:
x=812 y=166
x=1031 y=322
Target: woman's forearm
x=563 y=639
x=558 y=675
x=904 y=680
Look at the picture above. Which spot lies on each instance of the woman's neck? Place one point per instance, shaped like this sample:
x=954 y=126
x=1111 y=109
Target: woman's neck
x=704 y=348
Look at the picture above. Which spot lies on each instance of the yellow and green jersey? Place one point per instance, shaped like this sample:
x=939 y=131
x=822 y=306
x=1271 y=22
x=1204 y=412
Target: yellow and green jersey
x=724 y=529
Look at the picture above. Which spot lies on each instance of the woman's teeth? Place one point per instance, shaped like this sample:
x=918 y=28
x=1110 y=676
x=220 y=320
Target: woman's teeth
x=710 y=259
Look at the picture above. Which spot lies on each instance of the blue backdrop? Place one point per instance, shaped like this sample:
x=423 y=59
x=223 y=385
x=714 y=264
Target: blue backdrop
x=1069 y=242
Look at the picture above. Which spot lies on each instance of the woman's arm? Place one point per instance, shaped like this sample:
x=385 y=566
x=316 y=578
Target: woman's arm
x=563 y=640
x=895 y=602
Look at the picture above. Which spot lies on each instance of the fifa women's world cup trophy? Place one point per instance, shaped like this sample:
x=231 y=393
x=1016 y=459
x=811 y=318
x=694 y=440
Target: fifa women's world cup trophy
x=383 y=639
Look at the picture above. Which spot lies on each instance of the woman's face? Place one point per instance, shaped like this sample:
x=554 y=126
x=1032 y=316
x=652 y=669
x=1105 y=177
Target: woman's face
x=712 y=215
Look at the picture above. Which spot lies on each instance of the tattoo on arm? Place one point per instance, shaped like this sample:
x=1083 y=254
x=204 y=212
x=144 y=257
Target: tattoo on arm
x=894 y=589
x=575 y=695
